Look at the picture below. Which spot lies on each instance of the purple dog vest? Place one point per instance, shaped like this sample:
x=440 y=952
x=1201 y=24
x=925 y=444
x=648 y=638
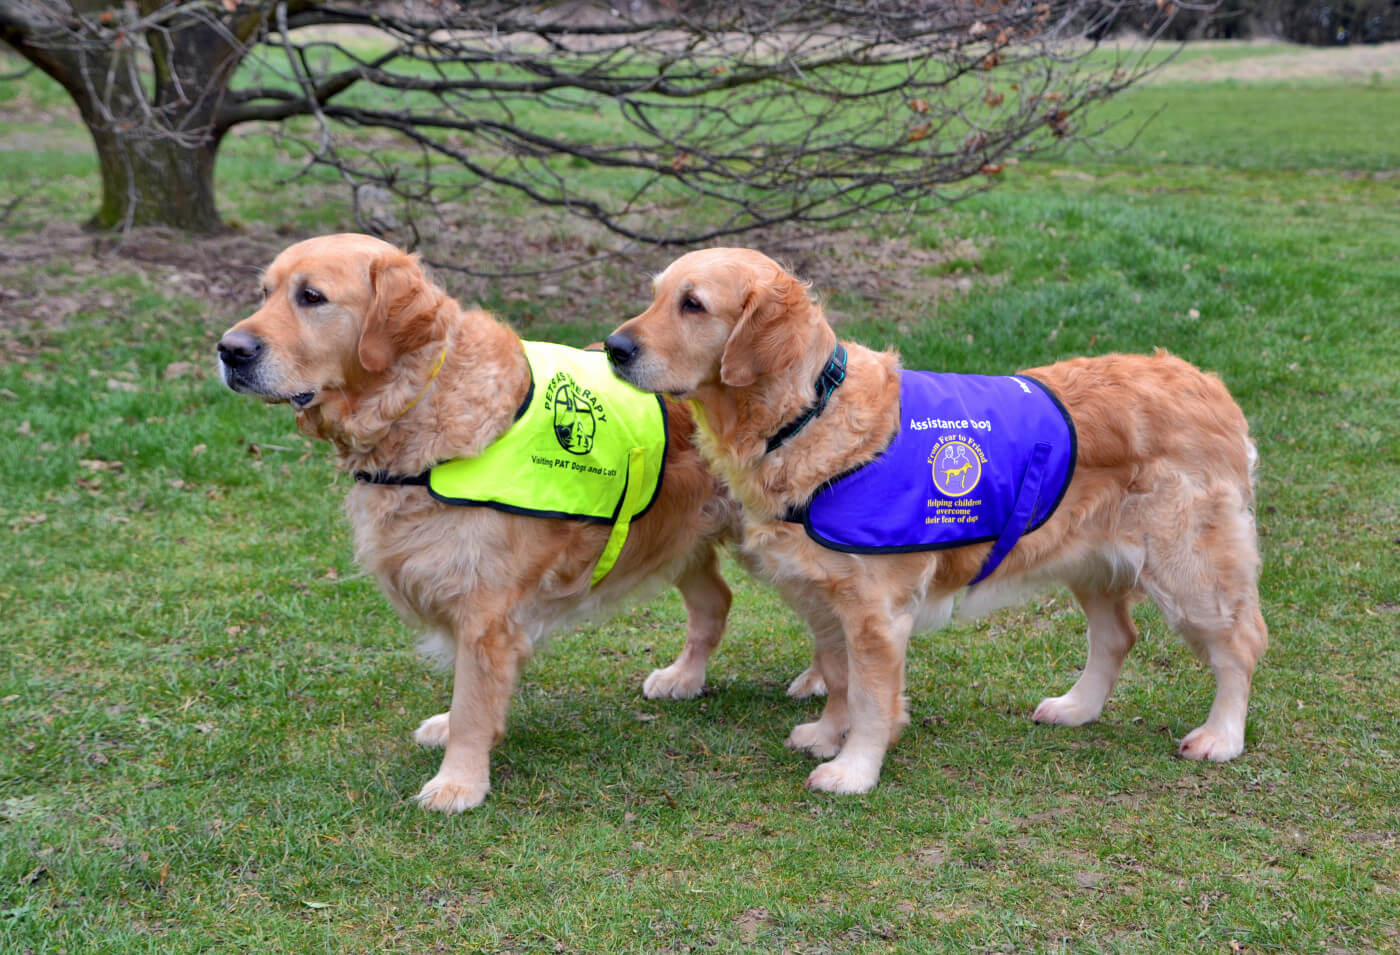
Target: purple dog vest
x=977 y=458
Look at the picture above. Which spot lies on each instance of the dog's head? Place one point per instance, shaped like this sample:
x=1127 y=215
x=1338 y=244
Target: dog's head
x=728 y=317
x=337 y=312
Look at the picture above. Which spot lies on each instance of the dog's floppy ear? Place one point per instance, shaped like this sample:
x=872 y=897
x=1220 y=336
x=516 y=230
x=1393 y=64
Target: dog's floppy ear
x=767 y=337
x=403 y=314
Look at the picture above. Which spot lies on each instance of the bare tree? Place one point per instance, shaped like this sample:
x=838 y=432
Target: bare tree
x=666 y=121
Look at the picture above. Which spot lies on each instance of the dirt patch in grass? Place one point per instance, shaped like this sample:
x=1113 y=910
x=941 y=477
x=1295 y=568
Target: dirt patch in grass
x=60 y=269
x=1346 y=63
x=484 y=255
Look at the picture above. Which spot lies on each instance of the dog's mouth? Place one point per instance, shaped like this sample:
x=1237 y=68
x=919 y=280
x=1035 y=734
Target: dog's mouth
x=620 y=372
x=300 y=401
x=639 y=379
x=243 y=372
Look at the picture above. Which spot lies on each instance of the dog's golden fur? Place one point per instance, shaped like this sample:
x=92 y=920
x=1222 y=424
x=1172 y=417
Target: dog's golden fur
x=1160 y=505
x=351 y=332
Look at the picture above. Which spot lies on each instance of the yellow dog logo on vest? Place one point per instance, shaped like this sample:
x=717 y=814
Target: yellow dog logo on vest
x=960 y=458
x=949 y=472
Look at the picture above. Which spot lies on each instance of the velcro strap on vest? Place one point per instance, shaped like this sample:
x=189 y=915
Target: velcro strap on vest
x=631 y=499
x=1020 y=515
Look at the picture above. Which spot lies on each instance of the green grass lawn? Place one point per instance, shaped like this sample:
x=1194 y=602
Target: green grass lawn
x=206 y=710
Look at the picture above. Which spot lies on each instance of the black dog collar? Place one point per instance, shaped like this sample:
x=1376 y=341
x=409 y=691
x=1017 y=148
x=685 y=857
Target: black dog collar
x=833 y=373
x=388 y=477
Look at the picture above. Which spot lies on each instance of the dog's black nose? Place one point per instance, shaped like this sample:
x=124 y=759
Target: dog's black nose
x=621 y=349
x=237 y=349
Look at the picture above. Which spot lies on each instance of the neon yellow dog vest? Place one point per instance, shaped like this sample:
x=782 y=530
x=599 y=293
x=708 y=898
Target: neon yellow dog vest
x=584 y=446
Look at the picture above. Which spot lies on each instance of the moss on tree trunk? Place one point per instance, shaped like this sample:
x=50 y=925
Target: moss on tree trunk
x=156 y=182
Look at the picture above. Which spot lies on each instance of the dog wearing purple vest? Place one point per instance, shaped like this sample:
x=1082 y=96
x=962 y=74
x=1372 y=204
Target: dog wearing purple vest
x=1143 y=491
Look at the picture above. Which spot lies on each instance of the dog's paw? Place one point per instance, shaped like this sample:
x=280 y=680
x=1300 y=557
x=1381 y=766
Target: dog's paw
x=1206 y=743
x=808 y=683
x=432 y=731
x=843 y=777
x=820 y=739
x=675 y=682
x=450 y=795
x=1064 y=711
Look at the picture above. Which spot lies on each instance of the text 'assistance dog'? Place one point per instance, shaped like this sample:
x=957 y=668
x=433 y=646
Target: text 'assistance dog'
x=878 y=495
x=503 y=489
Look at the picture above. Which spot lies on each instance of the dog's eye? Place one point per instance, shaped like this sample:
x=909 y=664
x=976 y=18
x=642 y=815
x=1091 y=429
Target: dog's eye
x=691 y=304
x=310 y=297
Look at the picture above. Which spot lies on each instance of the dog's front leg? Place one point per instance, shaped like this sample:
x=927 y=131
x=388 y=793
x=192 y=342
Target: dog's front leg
x=489 y=656
x=875 y=646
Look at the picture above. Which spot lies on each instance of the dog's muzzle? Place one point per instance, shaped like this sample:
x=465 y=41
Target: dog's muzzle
x=239 y=354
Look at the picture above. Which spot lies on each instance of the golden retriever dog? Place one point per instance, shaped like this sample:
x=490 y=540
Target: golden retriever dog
x=380 y=362
x=1159 y=504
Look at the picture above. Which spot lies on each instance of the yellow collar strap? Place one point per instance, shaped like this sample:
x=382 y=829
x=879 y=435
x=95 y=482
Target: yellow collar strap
x=437 y=367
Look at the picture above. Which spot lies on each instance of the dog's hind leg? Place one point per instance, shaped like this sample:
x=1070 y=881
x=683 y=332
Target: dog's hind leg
x=822 y=738
x=1232 y=653
x=1111 y=636
x=1206 y=583
x=707 y=599
x=432 y=731
x=810 y=682
x=807 y=684
x=438 y=647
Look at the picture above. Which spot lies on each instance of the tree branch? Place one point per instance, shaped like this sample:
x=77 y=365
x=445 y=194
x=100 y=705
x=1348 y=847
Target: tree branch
x=288 y=103
x=690 y=121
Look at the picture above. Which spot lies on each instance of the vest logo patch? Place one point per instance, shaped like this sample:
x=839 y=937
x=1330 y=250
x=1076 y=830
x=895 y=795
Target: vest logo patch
x=957 y=466
x=577 y=413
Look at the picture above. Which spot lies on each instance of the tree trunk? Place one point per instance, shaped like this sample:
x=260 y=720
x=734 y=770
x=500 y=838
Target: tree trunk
x=155 y=181
x=150 y=93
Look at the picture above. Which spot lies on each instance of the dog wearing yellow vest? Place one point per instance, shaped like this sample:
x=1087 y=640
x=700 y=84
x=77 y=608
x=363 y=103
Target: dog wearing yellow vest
x=419 y=398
